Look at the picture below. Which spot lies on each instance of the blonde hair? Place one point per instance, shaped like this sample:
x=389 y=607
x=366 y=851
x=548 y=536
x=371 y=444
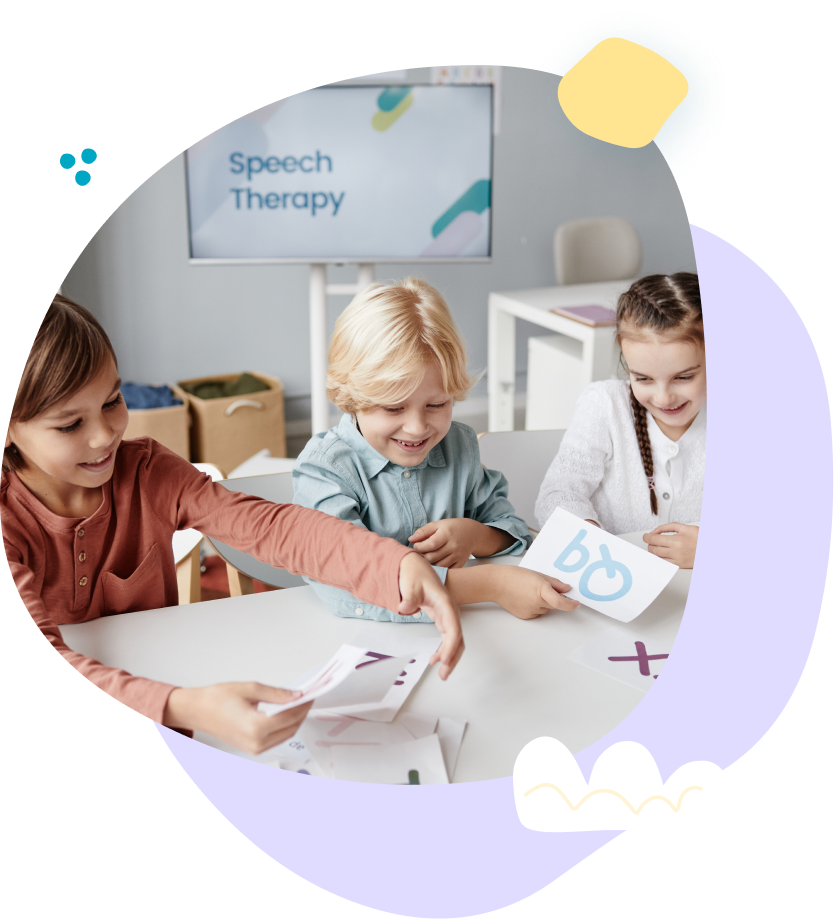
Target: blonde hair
x=383 y=342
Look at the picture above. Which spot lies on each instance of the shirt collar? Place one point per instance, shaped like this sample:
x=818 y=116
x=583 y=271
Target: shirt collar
x=699 y=424
x=373 y=462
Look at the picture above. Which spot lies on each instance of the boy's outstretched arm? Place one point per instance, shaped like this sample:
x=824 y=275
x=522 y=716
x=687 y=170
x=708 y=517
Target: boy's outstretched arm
x=420 y=588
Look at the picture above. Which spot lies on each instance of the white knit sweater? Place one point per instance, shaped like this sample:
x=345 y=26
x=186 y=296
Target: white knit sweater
x=598 y=473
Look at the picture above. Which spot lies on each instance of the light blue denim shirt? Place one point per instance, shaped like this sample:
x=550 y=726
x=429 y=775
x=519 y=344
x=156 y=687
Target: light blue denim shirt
x=341 y=474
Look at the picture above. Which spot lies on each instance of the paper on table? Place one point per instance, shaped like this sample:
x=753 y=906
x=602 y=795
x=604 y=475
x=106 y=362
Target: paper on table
x=637 y=660
x=382 y=647
x=344 y=680
x=605 y=572
x=391 y=764
x=417 y=725
x=450 y=734
x=320 y=733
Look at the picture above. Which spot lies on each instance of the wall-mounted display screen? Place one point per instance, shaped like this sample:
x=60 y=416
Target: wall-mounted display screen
x=348 y=173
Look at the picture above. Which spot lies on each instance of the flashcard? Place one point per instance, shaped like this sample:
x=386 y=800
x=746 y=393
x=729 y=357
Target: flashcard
x=450 y=734
x=417 y=725
x=345 y=681
x=605 y=572
x=383 y=646
x=625 y=656
x=390 y=765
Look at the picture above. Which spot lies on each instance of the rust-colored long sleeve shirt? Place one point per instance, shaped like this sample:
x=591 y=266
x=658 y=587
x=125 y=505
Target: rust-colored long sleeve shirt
x=120 y=559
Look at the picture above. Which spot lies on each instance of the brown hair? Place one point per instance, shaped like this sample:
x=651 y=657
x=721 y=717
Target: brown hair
x=69 y=351
x=658 y=304
x=383 y=341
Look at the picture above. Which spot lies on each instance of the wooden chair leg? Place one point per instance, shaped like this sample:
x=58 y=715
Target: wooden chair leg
x=240 y=584
x=188 y=577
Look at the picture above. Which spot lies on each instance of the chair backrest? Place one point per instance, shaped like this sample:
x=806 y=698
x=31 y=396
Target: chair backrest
x=596 y=249
x=277 y=488
x=524 y=457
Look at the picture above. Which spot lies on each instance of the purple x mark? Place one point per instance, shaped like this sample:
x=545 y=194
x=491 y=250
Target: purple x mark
x=643 y=658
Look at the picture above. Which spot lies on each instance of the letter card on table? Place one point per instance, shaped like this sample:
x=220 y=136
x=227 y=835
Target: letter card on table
x=606 y=573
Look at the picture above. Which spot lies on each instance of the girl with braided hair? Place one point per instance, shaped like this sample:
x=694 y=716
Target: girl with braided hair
x=633 y=456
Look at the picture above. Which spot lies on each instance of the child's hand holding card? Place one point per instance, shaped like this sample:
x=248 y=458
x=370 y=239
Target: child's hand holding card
x=605 y=572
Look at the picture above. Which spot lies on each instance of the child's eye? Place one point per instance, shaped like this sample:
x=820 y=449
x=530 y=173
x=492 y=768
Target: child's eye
x=114 y=403
x=395 y=410
x=70 y=427
x=436 y=405
x=686 y=379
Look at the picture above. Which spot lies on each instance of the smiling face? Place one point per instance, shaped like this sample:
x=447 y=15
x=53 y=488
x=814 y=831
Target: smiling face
x=669 y=378
x=71 y=448
x=405 y=432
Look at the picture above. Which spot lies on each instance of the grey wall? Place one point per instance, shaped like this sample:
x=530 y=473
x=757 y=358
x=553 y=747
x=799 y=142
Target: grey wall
x=170 y=320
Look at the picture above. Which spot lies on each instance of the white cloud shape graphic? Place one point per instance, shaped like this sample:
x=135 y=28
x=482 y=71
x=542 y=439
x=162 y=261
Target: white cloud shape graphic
x=552 y=796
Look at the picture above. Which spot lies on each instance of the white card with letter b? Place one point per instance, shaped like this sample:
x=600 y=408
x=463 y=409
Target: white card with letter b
x=605 y=572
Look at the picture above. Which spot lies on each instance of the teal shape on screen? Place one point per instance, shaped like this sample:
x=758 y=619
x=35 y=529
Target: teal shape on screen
x=391 y=97
x=683 y=139
x=476 y=198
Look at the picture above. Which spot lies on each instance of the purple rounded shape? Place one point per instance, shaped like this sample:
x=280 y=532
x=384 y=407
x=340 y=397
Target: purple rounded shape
x=458 y=850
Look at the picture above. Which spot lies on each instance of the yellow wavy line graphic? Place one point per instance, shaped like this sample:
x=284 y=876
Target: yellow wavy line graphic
x=610 y=791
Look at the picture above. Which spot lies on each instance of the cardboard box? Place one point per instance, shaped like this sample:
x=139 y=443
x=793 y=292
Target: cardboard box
x=167 y=425
x=228 y=431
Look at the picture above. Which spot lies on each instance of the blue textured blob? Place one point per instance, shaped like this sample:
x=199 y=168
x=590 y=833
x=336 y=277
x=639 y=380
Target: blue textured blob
x=696 y=121
x=67 y=160
x=89 y=155
x=391 y=97
x=82 y=177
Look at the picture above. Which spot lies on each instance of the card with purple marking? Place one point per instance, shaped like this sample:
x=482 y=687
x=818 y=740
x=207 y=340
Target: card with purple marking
x=624 y=655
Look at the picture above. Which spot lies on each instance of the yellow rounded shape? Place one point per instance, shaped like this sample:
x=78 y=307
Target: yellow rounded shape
x=621 y=92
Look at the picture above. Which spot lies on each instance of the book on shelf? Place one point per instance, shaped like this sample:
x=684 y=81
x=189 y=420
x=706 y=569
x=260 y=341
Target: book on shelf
x=592 y=315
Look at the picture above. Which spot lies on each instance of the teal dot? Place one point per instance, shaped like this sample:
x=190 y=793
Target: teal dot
x=82 y=177
x=68 y=160
x=89 y=156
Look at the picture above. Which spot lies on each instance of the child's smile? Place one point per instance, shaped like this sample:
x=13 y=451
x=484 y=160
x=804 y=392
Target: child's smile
x=70 y=449
x=406 y=432
x=668 y=378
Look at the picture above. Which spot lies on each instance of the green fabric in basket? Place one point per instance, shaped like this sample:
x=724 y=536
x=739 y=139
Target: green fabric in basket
x=220 y=389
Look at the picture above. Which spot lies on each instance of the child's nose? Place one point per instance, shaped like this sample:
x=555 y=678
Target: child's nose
x=414 y=423
x=101 y=433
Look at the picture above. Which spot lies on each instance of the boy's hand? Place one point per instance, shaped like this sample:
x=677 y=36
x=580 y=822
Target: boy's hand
x=678 y=548
x=528 y=594
x=449 y=543
x=229 y=712
x=420 y=588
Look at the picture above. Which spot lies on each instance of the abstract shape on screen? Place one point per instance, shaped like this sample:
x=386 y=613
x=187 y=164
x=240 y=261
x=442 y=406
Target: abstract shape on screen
x=392 y=102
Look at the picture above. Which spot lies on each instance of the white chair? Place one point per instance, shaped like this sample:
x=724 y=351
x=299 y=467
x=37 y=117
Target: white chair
x=524 y=457
x=186 y=546
x=242 y=568
x=596 y=249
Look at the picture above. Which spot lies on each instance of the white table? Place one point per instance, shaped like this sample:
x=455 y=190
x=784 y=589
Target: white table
x=598 y=344
x=514 y=682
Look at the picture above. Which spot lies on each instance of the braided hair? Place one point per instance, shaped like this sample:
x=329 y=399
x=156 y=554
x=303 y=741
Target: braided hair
x=662 y=305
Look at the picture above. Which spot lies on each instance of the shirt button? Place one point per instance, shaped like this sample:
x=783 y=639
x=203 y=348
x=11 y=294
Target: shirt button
x=82 y=582
x=358 y=611
x=82 y=557
x=671 y=450
x=665 y=495
x=406 y=474
x=81 y=533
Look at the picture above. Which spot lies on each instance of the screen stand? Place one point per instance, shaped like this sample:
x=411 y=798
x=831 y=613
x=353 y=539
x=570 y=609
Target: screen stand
x=319 y=291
